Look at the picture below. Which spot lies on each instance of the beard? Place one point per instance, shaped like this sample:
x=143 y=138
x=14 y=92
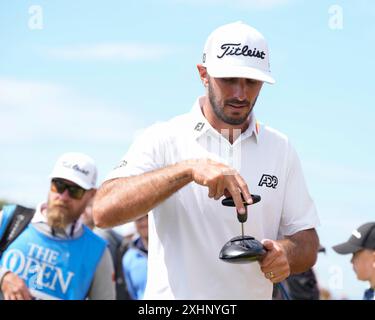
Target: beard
x=218 y=109
x=59 y=216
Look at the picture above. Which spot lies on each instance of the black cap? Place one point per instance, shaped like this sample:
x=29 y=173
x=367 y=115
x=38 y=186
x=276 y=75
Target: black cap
x=362 y=238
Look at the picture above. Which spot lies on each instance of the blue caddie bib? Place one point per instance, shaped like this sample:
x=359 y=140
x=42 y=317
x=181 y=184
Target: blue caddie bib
x=53 y=268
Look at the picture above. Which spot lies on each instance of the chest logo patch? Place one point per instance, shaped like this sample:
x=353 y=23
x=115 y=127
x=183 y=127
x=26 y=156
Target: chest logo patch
x=269 y=181
x=199 y=126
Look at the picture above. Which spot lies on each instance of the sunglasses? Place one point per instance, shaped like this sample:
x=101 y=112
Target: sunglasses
x=74 y=191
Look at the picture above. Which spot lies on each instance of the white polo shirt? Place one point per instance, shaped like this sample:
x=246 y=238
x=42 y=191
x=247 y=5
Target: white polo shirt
x=188 y=230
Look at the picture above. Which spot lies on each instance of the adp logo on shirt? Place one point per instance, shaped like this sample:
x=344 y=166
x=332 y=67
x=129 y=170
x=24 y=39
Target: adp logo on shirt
x=269 y=181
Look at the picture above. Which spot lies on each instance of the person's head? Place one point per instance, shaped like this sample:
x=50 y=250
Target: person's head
x=141 y=224
x=73 y=181
x=234 y=66
x=364 y=264
x=362 y=246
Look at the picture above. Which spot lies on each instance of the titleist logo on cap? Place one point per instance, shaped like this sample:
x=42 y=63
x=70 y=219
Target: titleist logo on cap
x=75 y=167
x=236 y=49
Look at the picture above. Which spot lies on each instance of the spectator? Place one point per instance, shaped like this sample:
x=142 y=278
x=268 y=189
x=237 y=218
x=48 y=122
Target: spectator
x=135 y=261
x=361 y=245
x=55 y=256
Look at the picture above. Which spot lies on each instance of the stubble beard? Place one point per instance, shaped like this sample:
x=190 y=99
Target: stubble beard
x=219 y=110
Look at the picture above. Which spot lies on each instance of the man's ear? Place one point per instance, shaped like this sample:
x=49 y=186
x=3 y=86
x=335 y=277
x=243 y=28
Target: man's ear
x=203 y=74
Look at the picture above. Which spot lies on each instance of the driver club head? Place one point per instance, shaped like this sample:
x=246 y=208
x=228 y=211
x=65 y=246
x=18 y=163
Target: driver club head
x=242 y=250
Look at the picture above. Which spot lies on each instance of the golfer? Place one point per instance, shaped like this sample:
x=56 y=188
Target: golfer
x=179 y=170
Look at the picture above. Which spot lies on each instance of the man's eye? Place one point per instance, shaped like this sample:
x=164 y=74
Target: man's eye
x=251 y=81
x=228 y=79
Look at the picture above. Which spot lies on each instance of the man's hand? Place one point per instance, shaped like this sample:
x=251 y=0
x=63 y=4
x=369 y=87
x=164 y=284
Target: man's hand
x=274 y=264
x=14 y=288
x=221 y=180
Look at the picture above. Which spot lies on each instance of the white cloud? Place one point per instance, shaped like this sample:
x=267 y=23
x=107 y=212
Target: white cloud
x=111 y=51
x=32 y=111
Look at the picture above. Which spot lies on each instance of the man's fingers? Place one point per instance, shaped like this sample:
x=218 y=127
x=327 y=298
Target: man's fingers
x=26 y=294
x=236 y=195
x=267 y=261
x=267 y=244
x=244 y=189
x=277 y=275
x=271 y=254
x=12 y=297
x=274 y=265
x=14 y=288
x=222 y=179
x=227 y=193
x=277 y=279
x=19 y=296
x=271 y=276
x=219 y=189
x=211 y=189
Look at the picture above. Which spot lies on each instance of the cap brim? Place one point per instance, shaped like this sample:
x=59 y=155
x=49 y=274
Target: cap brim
x=239 y=72
x=346 y=248
x=67 y=176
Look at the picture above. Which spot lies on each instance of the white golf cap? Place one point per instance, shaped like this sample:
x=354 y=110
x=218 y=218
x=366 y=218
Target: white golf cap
x=76 y=167
x=237 y=50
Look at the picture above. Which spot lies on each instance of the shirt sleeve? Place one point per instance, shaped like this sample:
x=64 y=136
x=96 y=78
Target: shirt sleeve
x=103 y=285
x=147 y=153
x=299 y=212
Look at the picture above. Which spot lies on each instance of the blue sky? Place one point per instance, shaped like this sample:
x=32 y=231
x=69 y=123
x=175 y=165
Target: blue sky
x=98 y=72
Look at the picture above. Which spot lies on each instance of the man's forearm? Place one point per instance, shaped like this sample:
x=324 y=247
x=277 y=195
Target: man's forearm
x=301 y=250
x=124 y=199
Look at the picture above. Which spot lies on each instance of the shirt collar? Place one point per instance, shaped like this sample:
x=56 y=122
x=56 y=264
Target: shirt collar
x=40 y=217
x=200 y=125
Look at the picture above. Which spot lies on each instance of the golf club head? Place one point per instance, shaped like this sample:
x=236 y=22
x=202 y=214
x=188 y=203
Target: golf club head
x=242 y=250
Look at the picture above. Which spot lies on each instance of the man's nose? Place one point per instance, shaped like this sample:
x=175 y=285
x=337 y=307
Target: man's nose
x=240 y=89
x=64 y=195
